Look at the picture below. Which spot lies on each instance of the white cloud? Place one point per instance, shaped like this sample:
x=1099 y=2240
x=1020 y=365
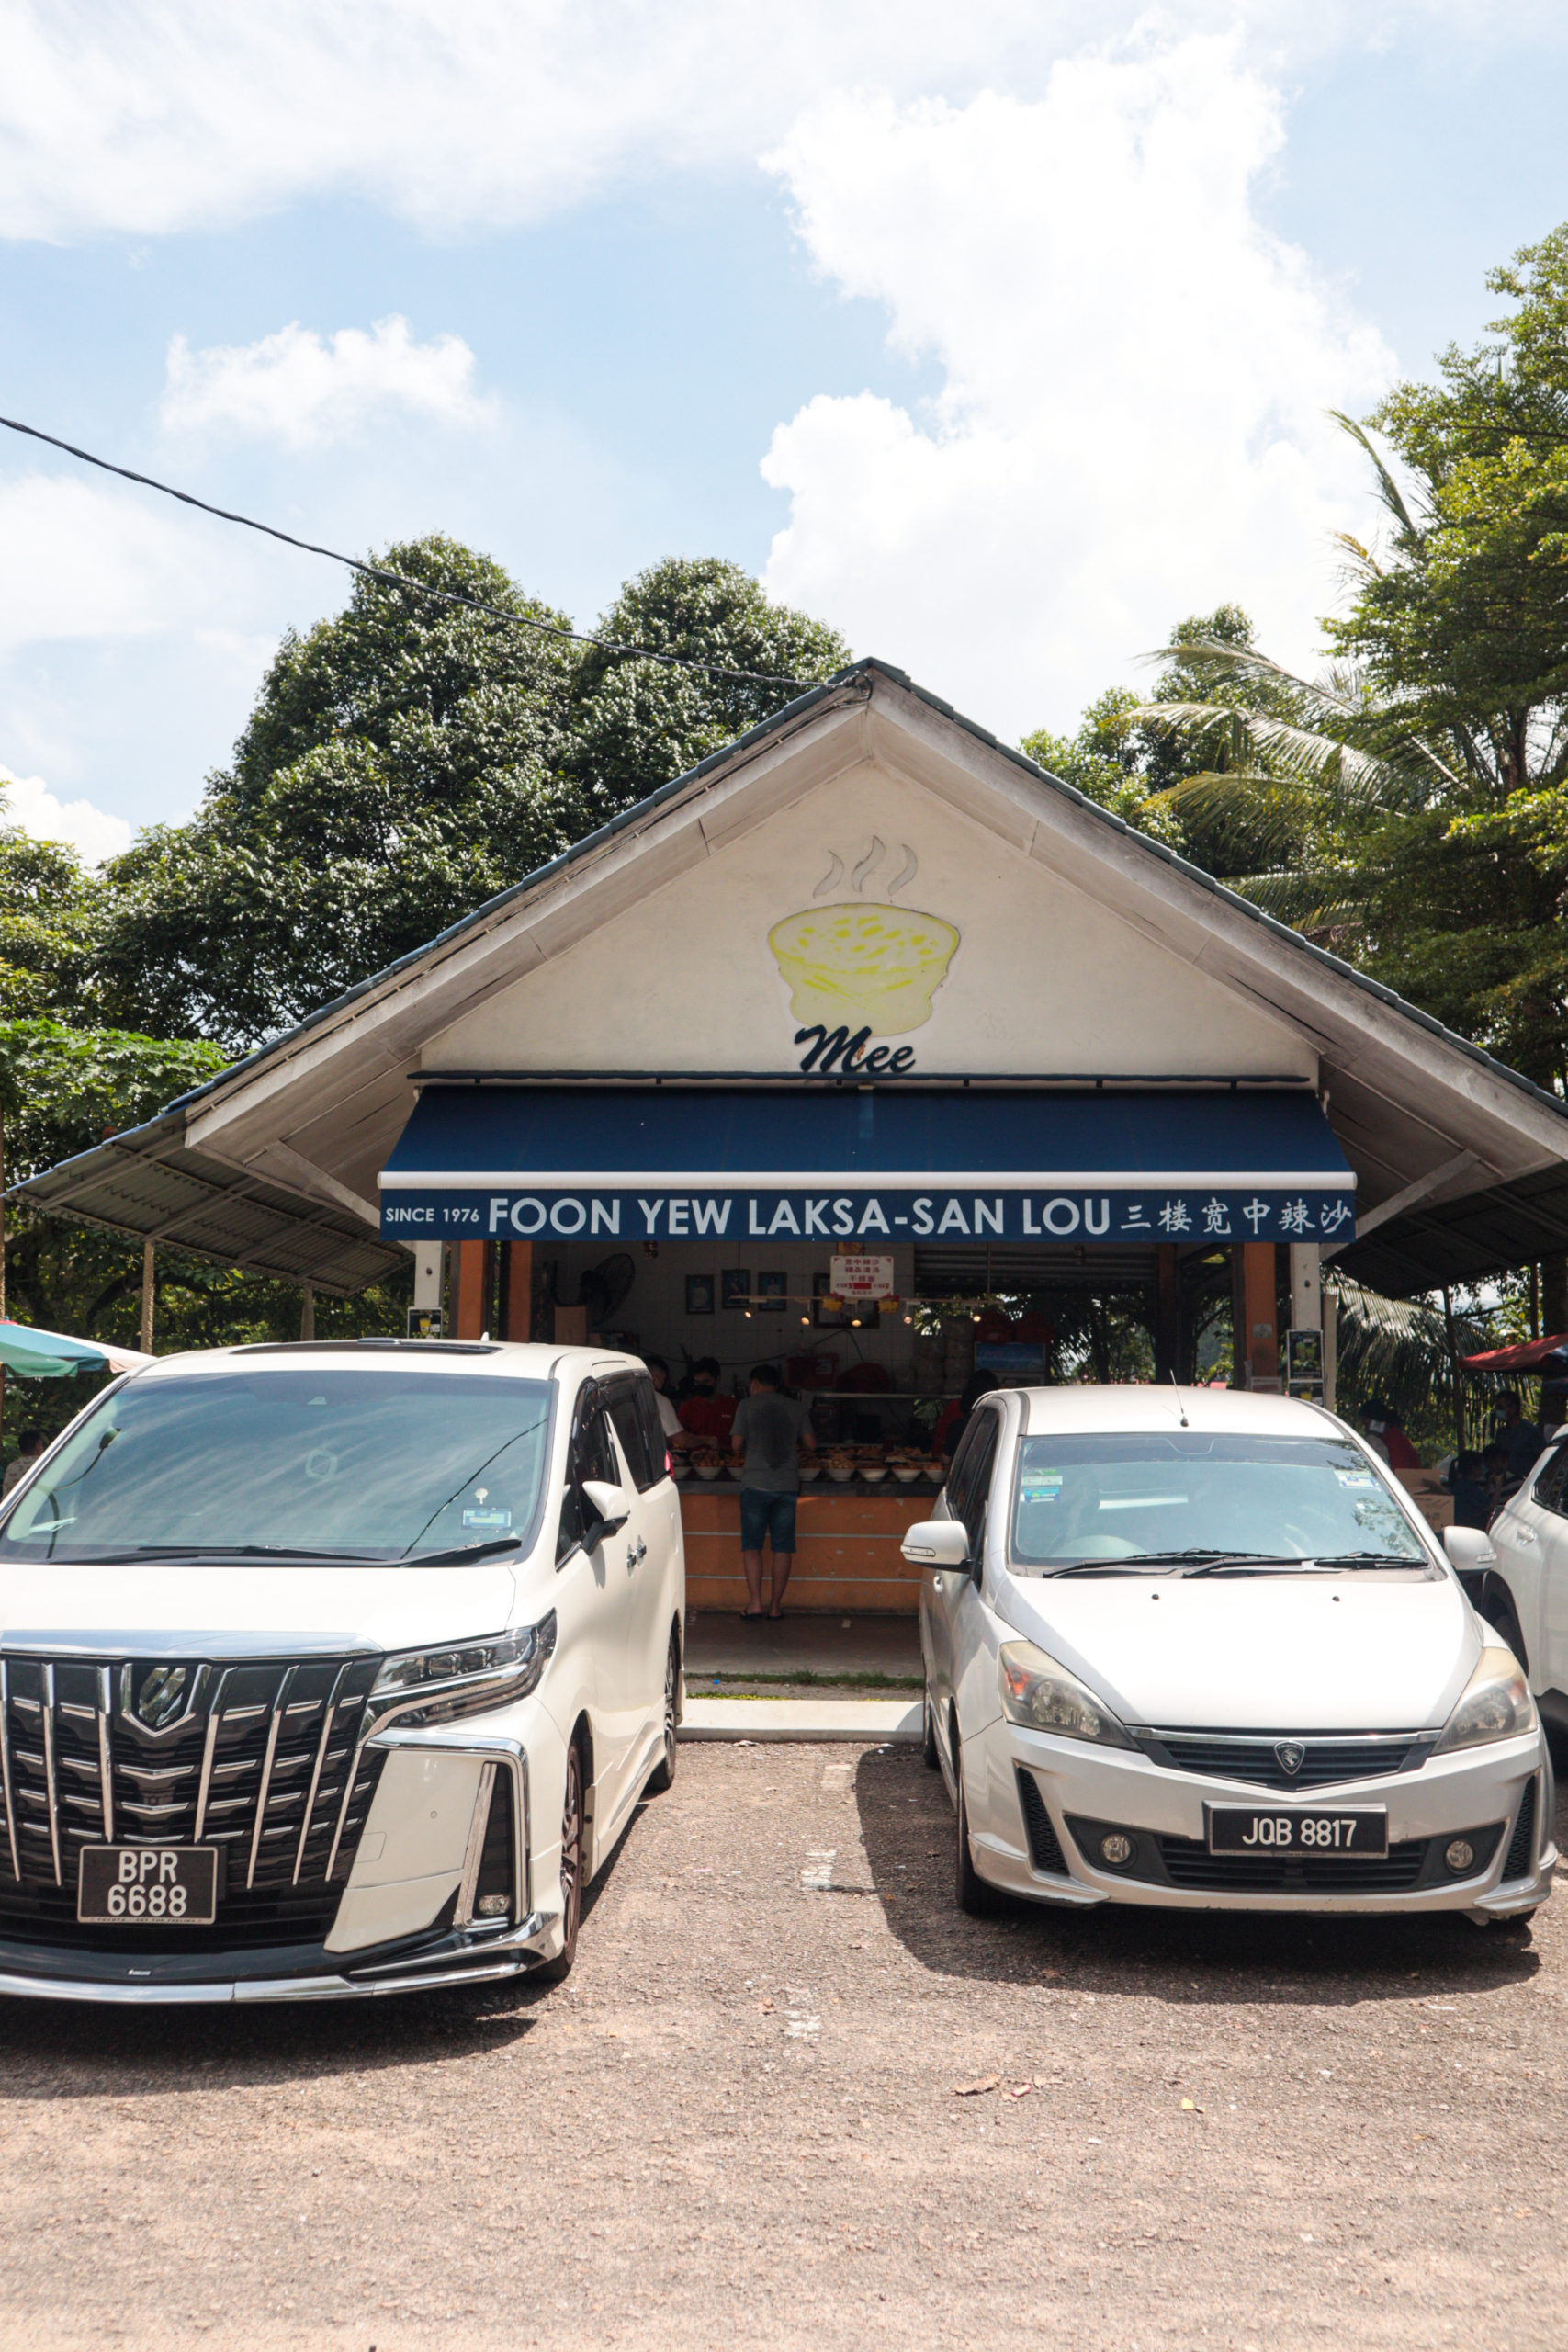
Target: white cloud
x=1132 y=419
x=300 y=388
x=161 y=115
x=81 y=561
x=26 y=800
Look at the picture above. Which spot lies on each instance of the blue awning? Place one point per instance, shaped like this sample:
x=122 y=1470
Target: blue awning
x=886 y=1162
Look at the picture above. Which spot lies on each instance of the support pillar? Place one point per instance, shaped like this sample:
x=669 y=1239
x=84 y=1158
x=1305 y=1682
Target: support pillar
x=149 y=1287
x=473 y=1269
x=1260 y=1311
x=1168 y=1312
x=306 y=1310
x=517 y=1290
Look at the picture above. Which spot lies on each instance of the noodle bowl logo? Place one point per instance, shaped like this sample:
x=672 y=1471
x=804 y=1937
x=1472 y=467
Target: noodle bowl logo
x=859 y=968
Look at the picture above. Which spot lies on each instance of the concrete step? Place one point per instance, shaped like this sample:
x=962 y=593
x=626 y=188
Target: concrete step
x=802 y=1719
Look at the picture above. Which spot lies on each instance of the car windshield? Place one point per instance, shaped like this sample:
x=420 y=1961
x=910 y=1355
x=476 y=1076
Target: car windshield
x=360 y=1464
x=1187 y=1496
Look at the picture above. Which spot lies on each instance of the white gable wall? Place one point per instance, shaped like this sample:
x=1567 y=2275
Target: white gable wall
x=1044 y=979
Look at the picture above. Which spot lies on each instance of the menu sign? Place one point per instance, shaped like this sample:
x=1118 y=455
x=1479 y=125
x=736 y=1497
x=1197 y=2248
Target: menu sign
x=861 y=1277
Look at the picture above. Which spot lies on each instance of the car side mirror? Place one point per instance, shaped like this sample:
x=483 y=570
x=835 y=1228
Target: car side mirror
x=936 y=1544
x=1469 y=1547
x=611 y=1506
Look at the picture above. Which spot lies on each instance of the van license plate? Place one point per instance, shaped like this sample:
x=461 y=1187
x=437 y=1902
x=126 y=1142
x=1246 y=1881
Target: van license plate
x=1278 y=1829
x=148 y=1886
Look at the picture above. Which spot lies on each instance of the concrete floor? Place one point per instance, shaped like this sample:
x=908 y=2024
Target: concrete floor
x=792 y=2098
x=845 y=1647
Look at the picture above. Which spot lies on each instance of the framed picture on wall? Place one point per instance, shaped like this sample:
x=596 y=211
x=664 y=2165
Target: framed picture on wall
x=772 y=1292
x=699 y=1294
x=836 y=1317
x=735 y=1286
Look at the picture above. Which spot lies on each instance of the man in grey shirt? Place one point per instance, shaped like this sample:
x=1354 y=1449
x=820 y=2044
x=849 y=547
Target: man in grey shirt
x=769 y=1429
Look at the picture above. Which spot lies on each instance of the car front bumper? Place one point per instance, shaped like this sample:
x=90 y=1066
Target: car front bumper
x=405 y=1921
x=1163 y=1811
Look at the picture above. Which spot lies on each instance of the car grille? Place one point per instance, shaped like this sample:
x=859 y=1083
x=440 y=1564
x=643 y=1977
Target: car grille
x=1521 y=1846
x=1044 y=1846
x=1326 y=1762
x=1187 y=1863
x=260 y=1758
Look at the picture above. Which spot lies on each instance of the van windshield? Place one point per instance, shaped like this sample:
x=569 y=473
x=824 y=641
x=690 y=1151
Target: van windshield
x=1167 y=1497
x=346 y=1464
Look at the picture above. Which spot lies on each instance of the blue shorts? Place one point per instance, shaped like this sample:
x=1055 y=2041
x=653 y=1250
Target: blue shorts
x=764 y=1515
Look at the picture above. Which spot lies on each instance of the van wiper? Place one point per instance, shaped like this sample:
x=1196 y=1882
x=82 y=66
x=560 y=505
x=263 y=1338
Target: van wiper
x=461 y=1552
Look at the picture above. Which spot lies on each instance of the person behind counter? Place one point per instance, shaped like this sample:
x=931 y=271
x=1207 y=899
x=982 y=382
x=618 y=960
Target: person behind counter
x=29 y=1446
x=769 y=1429
x=954 y=1416
x=1466 y=1482
x=659 y=1373
x=703 y=1412
x=1520 y=1439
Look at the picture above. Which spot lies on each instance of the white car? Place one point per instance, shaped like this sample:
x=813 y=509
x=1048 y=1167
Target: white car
x=1194 y=1648
x=332 y=1669
x=1518 y=1577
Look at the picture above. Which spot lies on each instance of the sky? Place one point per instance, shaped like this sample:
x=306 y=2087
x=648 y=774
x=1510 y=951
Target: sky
x=1002 y=337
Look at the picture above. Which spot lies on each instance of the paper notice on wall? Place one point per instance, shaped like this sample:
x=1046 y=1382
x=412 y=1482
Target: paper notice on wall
x=861 y=1277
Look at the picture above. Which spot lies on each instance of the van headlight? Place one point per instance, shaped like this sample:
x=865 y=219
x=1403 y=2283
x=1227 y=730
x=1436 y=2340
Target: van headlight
x=1043 y=1696
x=1497 y=1705
x=468 y=1678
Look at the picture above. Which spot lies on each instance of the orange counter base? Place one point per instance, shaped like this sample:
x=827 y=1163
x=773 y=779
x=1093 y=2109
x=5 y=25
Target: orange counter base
x=847 y=1554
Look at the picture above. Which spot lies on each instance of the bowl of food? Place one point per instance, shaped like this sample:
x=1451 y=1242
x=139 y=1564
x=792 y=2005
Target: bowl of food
x=873 y=1471
x=840 y=1468
x=707 y=1466
x=907 y=1472
x=935 y=1472
x=679 y=1466
x=877 y=966
x=810 y=1469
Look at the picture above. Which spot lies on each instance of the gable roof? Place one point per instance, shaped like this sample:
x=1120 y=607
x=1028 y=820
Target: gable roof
x=1463 y=1162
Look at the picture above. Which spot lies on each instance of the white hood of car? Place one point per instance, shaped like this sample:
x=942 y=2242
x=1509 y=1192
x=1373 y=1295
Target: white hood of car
x=188 y=1610
x=1269 y=1653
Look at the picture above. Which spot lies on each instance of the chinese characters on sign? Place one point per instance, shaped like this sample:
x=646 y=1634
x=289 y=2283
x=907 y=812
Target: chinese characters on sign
x=861 y=1277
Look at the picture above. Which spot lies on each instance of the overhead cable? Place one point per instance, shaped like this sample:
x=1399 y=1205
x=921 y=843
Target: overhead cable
x=420 y=587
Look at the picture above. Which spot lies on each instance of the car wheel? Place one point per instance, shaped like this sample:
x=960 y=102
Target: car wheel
x=928 y=1755
x=970 y=1890
x=663 y=1773
x=1505 y=1626
x=570 y=1870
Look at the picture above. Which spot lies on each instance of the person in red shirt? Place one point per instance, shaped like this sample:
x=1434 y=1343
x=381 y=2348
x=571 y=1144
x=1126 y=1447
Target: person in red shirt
x=703 y=1412
x=1384 y=1424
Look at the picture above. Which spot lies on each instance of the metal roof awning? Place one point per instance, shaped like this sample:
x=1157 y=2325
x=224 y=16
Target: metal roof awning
x=1095 y=1167
x=1465 y=1241
x=149 y=1184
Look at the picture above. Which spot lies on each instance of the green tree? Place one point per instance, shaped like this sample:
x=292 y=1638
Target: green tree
x=49 y=912
x=406 y=760
x=637 y=722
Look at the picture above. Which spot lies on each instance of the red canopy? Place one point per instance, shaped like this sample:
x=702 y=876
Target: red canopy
x=1529 y=1355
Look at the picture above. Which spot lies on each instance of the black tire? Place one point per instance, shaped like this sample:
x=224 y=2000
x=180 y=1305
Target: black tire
x=928 y=1755
x=553 y=1971
x=1505 y=1626
x=663 y=1773
x=970 y=1892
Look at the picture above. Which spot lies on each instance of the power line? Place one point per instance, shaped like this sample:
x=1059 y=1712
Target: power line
x=402 y=579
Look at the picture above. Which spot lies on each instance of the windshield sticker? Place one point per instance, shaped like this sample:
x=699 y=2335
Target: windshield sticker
x=1040 y=1485
x=1362 y=1478
x=500 y=1520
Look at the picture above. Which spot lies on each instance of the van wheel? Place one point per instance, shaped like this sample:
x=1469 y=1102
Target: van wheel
x=928 y=1755
x=970 y=1892
x=553 y=1971
x=663 y=1773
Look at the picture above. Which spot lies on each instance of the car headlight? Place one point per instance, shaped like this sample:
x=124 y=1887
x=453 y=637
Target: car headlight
x=1038 y=1692
x=1497 y=1705
x=437 y=1685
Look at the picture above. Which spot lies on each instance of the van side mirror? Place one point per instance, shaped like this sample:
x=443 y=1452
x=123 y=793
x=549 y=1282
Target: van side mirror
x=936 y=1544
x=1469 y=1547
x=611 y=1506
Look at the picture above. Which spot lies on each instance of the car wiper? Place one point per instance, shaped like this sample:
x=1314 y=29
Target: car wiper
x=1197 y=1561
x=1134 y=1566
x=1368 y=1560
x=227 y=1552
x=461 y=1552
x=1221 y=1563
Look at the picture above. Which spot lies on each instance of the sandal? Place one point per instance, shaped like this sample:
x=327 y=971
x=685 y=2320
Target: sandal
x=752 y=1616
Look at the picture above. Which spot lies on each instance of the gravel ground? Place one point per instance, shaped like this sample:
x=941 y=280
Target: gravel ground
x=792 y=2097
